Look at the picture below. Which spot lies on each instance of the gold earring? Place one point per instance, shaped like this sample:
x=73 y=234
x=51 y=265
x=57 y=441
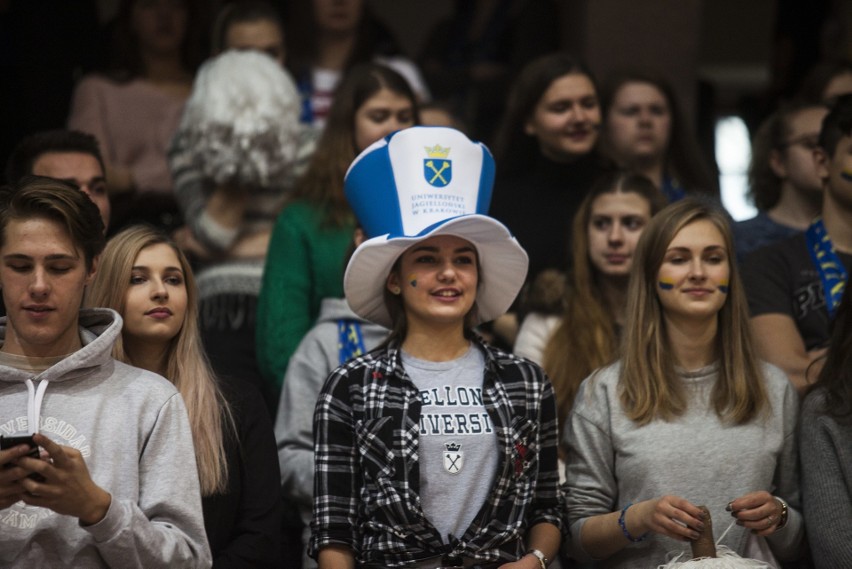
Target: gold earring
x=396 y=290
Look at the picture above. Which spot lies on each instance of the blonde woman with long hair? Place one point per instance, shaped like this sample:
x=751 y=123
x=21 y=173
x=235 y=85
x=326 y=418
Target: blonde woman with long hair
x=148 y=281
x=687 y=417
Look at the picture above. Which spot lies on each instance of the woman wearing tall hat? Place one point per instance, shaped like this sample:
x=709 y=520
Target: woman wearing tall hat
x=435 y=450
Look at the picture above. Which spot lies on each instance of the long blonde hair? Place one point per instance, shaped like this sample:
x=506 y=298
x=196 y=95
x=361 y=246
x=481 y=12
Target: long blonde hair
x=187 y=366
x=586 y=338
x=649 y=386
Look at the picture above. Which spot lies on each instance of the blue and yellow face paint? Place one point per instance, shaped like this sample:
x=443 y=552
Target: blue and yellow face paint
x=412 y=280
x=846 y=175
x=723 y=287
x=665 y=284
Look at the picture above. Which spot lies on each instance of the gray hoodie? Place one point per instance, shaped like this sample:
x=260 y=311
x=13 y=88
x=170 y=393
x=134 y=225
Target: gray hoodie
x=132 y=429
x=316 y=357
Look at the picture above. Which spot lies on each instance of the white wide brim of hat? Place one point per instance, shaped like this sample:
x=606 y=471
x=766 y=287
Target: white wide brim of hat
x=503 y=267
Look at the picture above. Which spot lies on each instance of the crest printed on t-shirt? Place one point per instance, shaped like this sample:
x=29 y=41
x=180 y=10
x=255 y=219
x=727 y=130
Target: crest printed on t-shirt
x=453 y=458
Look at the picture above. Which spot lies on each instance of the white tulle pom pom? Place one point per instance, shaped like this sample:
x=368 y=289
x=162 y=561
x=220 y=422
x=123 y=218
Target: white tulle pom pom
x=241 y=122
x=725 y=559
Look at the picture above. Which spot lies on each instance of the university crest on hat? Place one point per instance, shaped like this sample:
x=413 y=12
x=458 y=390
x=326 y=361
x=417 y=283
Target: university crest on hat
x=394 y=190
x=437 y=169
x=401 y=197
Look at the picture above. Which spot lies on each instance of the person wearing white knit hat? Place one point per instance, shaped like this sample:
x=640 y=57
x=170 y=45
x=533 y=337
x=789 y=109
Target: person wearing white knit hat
x=436 y=449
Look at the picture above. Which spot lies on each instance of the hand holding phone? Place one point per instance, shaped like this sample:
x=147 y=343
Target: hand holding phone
x=12 y=442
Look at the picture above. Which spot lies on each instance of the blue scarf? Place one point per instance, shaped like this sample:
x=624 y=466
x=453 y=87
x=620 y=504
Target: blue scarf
x=350 y=341
x=831 y=271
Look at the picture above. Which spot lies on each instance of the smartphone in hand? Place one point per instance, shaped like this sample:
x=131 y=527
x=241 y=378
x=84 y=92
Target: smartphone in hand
x=10 y=442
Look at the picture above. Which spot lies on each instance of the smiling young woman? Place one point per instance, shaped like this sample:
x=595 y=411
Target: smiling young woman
x=687 y=379
x=435 y=449
x=605 y=232
x=307 y=249
x=148 y=280
x=547 y=149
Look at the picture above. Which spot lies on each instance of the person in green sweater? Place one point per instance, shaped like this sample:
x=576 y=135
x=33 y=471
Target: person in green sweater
x=305 y=259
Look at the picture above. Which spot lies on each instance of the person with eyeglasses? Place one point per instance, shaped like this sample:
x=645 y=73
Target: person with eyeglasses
x=783 y=180
x=794 y=286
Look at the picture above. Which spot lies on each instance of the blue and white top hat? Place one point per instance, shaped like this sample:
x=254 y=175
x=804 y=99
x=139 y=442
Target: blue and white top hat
x=418 y=183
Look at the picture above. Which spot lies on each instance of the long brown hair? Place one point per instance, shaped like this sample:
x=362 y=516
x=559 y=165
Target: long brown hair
x=586 y=338
x=187 y=366
x=514 y=149
x=649 y=386
x=322 y=183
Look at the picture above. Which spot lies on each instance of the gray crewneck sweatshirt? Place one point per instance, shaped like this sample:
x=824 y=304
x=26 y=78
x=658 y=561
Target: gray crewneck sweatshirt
x=612 y=462
x=131 y=427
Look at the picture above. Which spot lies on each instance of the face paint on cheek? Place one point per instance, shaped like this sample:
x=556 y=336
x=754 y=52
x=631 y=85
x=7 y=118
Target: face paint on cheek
x=846 y=175
x=723 y=287
x=412 y=280
x=665 y=284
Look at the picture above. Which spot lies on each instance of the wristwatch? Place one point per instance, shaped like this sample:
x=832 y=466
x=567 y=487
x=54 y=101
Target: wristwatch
x=542 y=560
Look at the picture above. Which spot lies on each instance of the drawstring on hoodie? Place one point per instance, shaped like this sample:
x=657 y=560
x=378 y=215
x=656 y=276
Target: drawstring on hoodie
x=34 y=398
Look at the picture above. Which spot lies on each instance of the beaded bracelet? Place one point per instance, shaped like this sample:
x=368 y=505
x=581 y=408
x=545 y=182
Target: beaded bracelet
x=623 y=526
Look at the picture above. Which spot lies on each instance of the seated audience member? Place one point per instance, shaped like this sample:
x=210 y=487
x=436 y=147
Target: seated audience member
x=688 y=416
x=338 y=336
x=795 y=285
x=326 y=40
x=68 y=155
x=547 y=151
x=312 y=233
x=547 y=155
x=115 y=484
x=251 y=25
x=645 y=131
x=233 y=158
x=134 y=108
x=825 y=443
x=783 y=179
x=146 y=278
x=605 y=231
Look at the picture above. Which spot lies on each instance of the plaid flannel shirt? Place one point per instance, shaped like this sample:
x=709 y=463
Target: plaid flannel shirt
x=367 y=476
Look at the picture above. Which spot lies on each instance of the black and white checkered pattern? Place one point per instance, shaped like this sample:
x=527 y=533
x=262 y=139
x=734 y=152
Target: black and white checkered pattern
x=367 y=475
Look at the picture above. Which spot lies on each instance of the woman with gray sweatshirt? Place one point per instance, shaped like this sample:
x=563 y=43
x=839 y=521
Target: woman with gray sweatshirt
x=687 y=417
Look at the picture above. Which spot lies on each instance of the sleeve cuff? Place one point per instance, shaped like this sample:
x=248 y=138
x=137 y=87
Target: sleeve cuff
x=217 y=235
x=108 y=527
